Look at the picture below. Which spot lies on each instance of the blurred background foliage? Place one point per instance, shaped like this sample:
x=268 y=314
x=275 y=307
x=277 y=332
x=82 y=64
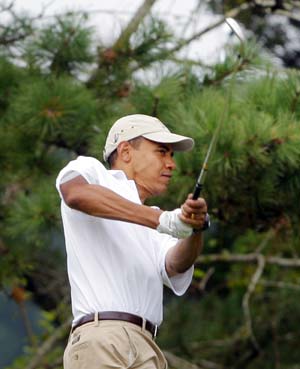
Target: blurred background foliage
x=59 y=94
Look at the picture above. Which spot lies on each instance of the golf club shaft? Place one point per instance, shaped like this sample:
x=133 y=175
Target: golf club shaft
x=200 y=181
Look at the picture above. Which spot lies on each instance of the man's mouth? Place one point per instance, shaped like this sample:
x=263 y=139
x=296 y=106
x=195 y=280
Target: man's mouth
x=166 y=175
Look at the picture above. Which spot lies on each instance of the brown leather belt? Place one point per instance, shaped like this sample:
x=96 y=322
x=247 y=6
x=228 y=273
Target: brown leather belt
x=118 y=315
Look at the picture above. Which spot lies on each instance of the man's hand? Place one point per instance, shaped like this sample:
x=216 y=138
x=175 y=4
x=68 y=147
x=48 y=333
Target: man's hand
x=184 y=254
x=170 y=223
x=194 y=212
x=180 y=223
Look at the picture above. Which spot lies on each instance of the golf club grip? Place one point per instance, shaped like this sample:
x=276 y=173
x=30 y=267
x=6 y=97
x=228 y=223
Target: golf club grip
x=197 y=191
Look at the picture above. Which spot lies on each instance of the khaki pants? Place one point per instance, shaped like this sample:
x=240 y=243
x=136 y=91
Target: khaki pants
x=112 y=344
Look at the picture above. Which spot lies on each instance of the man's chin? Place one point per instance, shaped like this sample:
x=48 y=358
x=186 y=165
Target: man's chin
x=161 y=190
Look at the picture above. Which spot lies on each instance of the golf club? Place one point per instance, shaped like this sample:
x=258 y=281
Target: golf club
x=236 y=29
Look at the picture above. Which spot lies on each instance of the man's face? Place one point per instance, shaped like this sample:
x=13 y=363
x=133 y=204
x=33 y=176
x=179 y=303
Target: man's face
x=152 y=167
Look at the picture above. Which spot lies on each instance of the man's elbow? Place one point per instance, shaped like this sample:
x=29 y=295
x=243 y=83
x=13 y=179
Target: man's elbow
x=72 y=201
x=71 y=198
x=173 y=266
x=73 y=192
x=171 y=272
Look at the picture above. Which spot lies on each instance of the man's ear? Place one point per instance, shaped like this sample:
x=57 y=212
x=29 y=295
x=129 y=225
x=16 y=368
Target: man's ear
x=124 y=151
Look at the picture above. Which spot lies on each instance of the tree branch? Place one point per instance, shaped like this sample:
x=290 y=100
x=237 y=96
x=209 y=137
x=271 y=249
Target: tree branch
x=279 y=284
x=133 y=24
x=49 y=344
x=246 y=306
x=179 y=363
x=203 y=282
x=227 y=257
x=230 y=14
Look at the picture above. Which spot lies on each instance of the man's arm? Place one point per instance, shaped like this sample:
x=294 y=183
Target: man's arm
x=183 y=255
x=101 y=202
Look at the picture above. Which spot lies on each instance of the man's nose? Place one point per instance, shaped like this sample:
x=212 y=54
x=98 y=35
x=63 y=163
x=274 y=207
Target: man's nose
x=170 y=164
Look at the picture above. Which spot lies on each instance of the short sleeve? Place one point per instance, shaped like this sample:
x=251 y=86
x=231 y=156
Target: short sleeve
x=87 y=167
x=179 y=283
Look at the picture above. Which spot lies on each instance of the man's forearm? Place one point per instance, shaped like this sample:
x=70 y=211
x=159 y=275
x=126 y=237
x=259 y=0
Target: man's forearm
x=184 y=254
x=102 y=202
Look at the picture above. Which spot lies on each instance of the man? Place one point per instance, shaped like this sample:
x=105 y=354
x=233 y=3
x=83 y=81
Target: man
x=120 y=252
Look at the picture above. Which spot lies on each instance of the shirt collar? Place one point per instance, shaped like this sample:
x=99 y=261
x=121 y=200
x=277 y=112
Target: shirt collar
x=118 y=174
x=121 y=176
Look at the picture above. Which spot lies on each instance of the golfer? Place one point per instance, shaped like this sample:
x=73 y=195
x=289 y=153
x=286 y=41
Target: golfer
x=121 y=252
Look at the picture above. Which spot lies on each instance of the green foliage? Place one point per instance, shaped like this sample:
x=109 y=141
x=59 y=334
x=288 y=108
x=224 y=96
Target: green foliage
x=159 y=99
x=63 y=46
x=239 y=58
x=15 y=29
x=113 y=76
x=149 y=43
x=10 y=77
x=199 y=326
x=33 y=215
x=30 y=223
x=48 y=112
x=215 y=333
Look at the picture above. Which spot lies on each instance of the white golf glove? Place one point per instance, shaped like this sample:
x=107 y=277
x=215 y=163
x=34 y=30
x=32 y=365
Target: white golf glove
x=170 y=223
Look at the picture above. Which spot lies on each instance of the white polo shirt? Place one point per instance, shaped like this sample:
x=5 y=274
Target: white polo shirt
x=115 y=265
